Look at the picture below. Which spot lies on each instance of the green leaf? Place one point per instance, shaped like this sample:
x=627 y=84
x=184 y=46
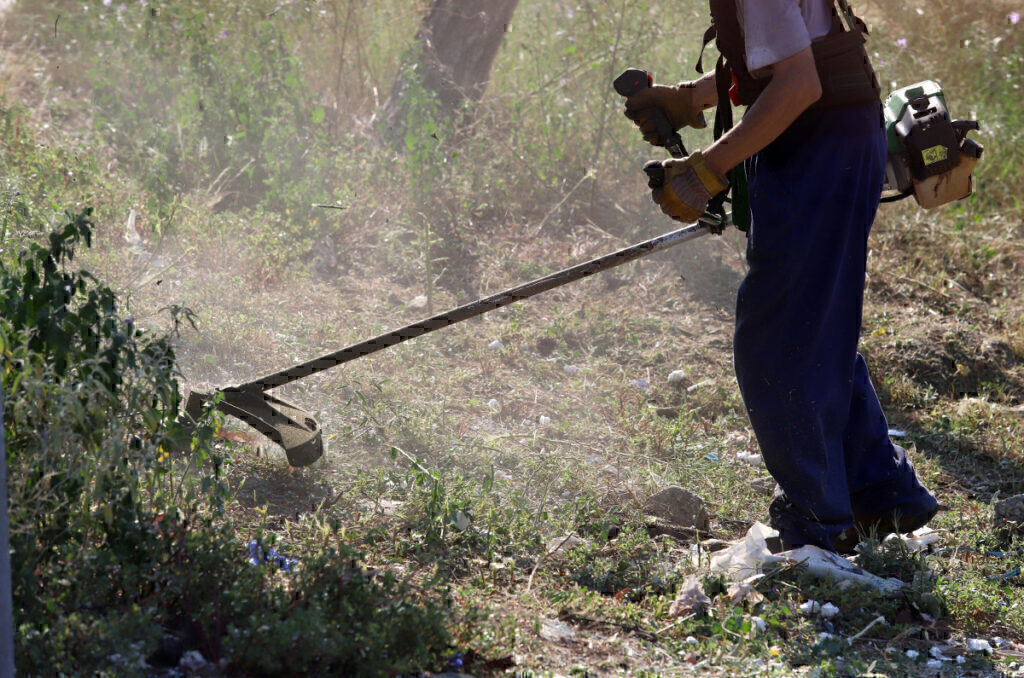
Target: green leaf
x=318 y=115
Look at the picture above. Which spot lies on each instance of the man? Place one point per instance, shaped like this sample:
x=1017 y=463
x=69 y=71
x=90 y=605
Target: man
x=814 y=178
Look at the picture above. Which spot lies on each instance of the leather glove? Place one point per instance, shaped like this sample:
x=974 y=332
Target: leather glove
x=676 y=101
x=689 y=185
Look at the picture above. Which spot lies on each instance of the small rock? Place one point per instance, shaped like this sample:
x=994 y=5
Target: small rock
x=564 y=544
x=571 y=370
x=678 y=506
x=690 y=640
x=912 y=654
x=556 y=631
x=1010 y=510
x=496 y=345
x=418 y=303
x=493 y=403
x=765 y=486
x=676 y=377
x=543 y=420
x=192 y=661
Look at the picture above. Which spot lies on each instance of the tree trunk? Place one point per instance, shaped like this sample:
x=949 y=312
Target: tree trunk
x=455 y=49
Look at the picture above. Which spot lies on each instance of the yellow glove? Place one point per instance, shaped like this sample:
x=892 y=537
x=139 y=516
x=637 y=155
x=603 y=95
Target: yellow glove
x=676 y=101
x=689 y=185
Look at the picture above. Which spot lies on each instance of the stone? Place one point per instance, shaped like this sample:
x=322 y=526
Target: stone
x=1010 y=510
x=765 y=486
x=561 y=545
x=556 y=631
x=192 y=661
x=679 y=507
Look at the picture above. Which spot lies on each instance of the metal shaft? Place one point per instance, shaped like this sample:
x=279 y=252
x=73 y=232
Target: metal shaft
x=481 y=306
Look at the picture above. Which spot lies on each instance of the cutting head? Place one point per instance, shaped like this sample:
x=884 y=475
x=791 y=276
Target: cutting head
x=291 y=427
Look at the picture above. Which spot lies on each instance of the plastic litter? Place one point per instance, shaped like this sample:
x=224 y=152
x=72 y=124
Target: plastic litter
x=641 y=384
x=258 y=555
x=811 y=607
x=746 y=558
x=676 y=377
x=828 y=610
x=691 y=598
x=750 y=458
x=912 y=654
x=821 y=563
x=979 y=645
x=919 y=540
x=711 y=456
x=496 y=345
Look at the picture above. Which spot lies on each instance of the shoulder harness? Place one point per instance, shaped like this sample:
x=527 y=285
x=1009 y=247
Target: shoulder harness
x=844 y=71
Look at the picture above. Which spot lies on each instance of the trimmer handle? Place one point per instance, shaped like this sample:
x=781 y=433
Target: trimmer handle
x=655 y=174
x=634 y=80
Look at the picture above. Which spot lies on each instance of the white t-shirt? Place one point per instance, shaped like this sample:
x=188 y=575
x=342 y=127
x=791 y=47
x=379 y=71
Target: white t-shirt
x=776 y=29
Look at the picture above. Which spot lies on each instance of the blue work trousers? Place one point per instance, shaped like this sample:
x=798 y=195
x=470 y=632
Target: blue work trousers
x=814 y=192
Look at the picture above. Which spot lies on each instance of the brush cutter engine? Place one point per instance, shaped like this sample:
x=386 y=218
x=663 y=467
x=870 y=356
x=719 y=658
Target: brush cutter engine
x=930 y=156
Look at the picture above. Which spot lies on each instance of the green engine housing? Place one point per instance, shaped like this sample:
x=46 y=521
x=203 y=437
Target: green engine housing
x=924 y=141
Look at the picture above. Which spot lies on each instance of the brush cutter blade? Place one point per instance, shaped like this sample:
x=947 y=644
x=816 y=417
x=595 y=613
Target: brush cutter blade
x=291 y=427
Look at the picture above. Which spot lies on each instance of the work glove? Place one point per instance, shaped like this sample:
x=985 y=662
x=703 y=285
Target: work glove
x=689 y=185
x=675 y=101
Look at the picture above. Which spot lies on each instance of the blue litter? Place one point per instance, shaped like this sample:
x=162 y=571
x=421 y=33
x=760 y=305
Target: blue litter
x=711 y=456
x=257 y=555
x=641 y=384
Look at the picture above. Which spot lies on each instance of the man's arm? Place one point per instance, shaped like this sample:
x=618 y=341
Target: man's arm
x=793 y=88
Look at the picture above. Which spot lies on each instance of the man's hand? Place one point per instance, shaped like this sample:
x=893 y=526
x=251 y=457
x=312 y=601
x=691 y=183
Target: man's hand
x=689 y=185
x=678 y=103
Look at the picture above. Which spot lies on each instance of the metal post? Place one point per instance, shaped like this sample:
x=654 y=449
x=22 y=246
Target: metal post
x=6 y=604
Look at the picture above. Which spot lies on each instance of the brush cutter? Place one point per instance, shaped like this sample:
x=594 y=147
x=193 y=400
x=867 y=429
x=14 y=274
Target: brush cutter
x=298 y=432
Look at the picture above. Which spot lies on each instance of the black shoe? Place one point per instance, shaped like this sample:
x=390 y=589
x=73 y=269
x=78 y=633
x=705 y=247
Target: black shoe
x=880 y=524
